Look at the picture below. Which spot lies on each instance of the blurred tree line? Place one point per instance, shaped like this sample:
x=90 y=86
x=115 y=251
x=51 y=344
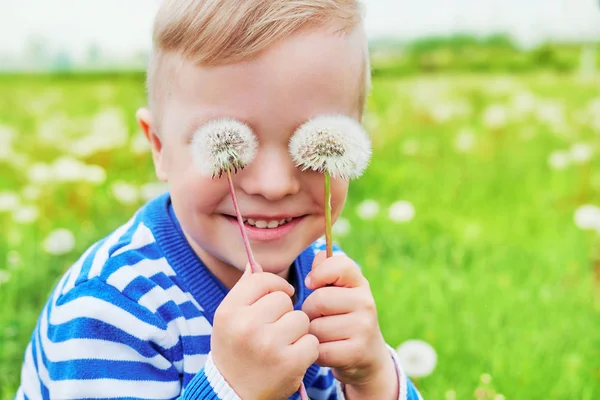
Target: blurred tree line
x=497 y=53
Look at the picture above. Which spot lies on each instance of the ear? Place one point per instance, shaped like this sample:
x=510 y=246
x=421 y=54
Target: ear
x=146 y=122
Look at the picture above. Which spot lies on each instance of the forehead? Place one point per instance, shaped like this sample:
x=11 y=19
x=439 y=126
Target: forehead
x=312 y=72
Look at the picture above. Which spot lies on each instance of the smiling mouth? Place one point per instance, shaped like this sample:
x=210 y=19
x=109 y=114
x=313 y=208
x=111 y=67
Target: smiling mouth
x=266 y=223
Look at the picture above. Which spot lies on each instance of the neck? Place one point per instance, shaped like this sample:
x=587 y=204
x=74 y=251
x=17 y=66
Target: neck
x=228 y=274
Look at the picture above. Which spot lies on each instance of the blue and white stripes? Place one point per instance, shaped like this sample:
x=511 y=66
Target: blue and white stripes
x=132 y=318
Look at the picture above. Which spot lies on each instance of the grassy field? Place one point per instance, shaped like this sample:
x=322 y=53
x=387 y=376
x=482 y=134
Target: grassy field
x=491 y=270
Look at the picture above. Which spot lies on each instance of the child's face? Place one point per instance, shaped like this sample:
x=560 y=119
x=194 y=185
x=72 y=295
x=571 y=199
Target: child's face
x=312 y=73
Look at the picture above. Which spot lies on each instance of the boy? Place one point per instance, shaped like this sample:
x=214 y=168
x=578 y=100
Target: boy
x=164 y=307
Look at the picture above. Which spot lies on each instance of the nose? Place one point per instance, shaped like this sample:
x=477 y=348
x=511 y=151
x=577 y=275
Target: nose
x=271 y=175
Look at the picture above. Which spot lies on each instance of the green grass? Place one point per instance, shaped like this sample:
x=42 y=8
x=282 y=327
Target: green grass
x=492 y=271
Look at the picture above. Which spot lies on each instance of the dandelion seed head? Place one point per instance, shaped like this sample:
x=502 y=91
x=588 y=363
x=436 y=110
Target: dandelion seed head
x=417 y=357
x=486 y=379
x=587 y=217
x=223 y=144
x=331 y=143
x=341 y=227
x=559 y=160
x=368 y=209
x=59 y=242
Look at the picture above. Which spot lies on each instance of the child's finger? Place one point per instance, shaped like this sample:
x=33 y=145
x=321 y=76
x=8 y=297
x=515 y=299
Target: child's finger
x=292 y=326
x=333 y=301
x=337 y=271
x=271 y=307
x=333 y=328
x=254 y=286
x=338 y=354
x=305 y=351
x=319 y=258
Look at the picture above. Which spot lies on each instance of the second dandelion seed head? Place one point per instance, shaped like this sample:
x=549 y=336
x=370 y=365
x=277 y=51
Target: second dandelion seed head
x=331 y=143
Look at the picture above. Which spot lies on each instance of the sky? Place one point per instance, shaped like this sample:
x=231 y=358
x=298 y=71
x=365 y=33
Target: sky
x=121 y=27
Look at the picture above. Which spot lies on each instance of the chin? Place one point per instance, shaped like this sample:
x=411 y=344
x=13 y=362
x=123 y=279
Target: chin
x=275 y=263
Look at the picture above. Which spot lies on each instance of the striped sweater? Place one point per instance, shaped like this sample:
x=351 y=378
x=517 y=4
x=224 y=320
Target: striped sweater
x=132 y=319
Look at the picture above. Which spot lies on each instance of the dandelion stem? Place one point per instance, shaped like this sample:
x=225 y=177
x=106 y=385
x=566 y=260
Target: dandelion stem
x=303 y=394
x=328 y=237
x=253 y=265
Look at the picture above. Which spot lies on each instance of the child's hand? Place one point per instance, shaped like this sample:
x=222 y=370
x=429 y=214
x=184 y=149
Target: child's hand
x=344 y=319
x=259 y=343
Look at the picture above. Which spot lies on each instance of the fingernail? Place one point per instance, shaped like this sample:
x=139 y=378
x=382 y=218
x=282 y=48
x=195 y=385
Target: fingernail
x=307 y=281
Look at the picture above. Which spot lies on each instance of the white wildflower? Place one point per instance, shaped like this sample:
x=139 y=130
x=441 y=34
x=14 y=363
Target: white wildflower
x=14 y=236
x=502 y=85
x=95 y=174
x=9 y=201
x=527 y=133
x=7 y=136
x=331 y=143
x=4 y=277
x=450 y=395
x=108 y=131
x=559 y=160
x=499 y=397
x=13 y=259
x=221 y=145
x=486 y=379
x=472 y=231
x=59 y=242
x=139 y=144
x=151 y=190
x=417 y=358
x=401 y=211
x=465 y=141
x=442 y=112
x=410 y=147
x=26 y=214
x=524 y=102
x=581 y=153
x=125 y=193
x=593 y=107
x=587 y=217
x=68 y=169
x=54 y=129
x=31 y=192
x=40 y=173
x=341 y=227
x=368 y=209
x=495 y=116
x=552 y=113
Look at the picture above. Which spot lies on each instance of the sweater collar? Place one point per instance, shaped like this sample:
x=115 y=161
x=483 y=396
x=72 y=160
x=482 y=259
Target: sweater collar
x=203 y=285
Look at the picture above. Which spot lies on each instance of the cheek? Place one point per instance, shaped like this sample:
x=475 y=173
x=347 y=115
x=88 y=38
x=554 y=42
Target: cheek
x=316 y=184
x=339 y=191
x=198 y=194
x=192 y=192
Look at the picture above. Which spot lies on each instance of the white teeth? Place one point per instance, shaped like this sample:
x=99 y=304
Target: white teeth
x=261 y=224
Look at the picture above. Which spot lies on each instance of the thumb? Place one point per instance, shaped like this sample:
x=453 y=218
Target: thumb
x=247 y=271
x=319 y=258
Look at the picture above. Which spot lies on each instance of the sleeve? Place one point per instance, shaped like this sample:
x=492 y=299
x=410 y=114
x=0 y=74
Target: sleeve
x=94 y=342
x=326 y=387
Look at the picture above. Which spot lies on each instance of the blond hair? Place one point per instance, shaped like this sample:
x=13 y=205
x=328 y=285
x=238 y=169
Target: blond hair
x=218 y=32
